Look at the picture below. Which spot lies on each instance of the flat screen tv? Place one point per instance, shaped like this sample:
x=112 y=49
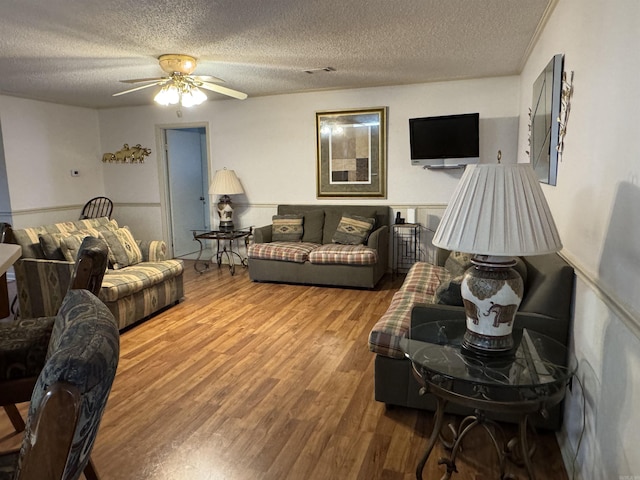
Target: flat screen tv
x=446 y=140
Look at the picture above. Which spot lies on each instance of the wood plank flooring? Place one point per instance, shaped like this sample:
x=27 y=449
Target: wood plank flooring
x=245 y=380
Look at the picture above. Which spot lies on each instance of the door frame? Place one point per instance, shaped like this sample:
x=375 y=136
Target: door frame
x=163 y=175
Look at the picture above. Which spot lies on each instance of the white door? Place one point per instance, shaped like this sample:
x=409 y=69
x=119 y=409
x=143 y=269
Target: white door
x=187 y=176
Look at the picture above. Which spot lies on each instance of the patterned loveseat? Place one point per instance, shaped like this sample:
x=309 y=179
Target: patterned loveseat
x=139 y=282
x=319 y=245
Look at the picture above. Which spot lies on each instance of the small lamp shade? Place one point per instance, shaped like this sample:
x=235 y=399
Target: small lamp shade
x=498 y=209
x=225 y=183
x=497 y=212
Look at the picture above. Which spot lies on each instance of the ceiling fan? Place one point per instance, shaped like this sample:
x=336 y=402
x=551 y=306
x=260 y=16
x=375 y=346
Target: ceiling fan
x=180 y=86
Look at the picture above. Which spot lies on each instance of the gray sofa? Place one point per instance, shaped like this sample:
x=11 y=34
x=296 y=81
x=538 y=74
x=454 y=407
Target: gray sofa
x=320 y=224
x=545 y=307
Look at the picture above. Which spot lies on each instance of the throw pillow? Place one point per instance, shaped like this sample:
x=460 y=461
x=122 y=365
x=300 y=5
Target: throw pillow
x=70 y=245
x=457 y=263
x=287 y=228
x=353 y=229
x=50 y=243
x=313 y=224
x=123 y=249
x=448 y=293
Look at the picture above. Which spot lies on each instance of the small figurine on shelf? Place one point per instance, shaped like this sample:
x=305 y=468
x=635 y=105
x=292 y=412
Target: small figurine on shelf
x=399 y=220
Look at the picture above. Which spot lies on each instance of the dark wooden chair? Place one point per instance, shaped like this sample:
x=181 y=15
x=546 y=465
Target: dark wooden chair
x=97 y=207
x=24 y=342
x=70 y=394
x=5 y=228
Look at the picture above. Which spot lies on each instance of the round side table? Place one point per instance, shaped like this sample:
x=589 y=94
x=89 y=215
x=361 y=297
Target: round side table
x=528 y=380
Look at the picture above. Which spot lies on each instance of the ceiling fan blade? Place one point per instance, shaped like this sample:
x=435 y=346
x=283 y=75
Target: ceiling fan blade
x=138 y=88
x=207 y=78
x=140 y=80
x=223 y=90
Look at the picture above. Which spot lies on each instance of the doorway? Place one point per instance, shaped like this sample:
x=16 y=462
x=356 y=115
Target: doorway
x=186 y=185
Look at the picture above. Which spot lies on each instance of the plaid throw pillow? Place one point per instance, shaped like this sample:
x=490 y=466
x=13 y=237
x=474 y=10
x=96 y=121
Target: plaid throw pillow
x=287 y=228
x=353 y=229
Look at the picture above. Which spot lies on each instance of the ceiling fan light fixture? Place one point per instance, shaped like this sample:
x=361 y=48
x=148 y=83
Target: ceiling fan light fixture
x=161 y=97
x=198 y=95
x=173 y=94
x=168 y=95
x=192 y=96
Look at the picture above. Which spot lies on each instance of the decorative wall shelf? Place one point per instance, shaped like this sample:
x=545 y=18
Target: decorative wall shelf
x=127 y=154
x=443 y=167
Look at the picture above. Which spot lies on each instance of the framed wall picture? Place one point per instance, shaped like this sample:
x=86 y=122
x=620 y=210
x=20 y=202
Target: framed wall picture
x=352 y=153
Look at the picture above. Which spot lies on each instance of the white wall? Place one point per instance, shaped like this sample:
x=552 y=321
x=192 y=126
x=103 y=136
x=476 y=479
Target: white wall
x=42 y=143
x=595 y=205
x=5 y=200
x=270 y=141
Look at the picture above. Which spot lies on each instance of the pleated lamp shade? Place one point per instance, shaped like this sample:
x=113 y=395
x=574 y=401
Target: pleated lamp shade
x=225 y=182
x=498 y=209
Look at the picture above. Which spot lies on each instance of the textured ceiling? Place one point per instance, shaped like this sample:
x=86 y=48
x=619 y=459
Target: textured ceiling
x=76 y=53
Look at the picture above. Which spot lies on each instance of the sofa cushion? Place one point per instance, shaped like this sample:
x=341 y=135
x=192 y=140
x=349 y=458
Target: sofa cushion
x=395 y=323
x=336 y=254
x=153 y=250
x=70 y=245
x=50 y=243
x=313 y=224
x=424 y=278
x=297 y=252
x=353 y=229
x=129 y=280
x=123 y=249
x=419 y=286
x=286 y=228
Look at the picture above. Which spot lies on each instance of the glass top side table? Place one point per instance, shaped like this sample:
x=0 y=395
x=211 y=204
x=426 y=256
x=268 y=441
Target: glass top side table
x=225 y=250
x=528 y=380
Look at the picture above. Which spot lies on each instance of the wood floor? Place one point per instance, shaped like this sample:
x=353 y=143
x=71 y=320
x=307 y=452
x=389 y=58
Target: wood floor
x=244 y=380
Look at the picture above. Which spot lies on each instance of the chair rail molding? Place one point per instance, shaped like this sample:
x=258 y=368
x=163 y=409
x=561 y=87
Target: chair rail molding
x=628 y=315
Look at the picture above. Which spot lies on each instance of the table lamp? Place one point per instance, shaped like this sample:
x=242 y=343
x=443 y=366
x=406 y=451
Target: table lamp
x=497 y=212
x=225 y=183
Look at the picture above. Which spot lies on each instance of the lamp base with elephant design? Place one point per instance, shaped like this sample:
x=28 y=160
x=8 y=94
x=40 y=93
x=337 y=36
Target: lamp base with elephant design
x=491 y=293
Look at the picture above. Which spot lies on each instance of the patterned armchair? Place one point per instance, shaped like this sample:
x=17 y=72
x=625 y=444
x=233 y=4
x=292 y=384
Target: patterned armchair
x=70 y=394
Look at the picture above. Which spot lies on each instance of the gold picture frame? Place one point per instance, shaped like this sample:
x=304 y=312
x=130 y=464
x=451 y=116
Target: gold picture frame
x=352 y=153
